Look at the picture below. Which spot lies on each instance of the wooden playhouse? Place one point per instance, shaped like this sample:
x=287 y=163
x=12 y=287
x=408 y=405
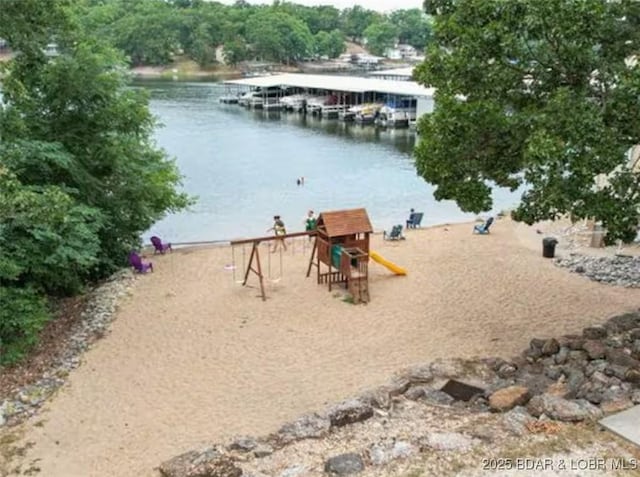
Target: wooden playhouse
x=341 y=251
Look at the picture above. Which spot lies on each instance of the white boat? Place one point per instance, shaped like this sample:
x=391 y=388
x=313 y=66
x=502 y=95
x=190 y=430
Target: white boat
x=399 y=113
x=272 y=104
x=244 y=99
x=314 y=104
x=368 y=113
x=229 y=99
x=255 y=102
x=294 y=102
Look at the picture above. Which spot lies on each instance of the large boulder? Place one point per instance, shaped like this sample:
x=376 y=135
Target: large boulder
x=625 y=322
x=550 y=347
x=517 y=420
x=309 y=426
x=509 y=397
x=208 y=463
x=562 y=409
x=595 y=349
x=243 y=444
x=381 y=396
x=348 y=412
x=594 y=332
x=344 y=464
x=633 y=376
x=419 y=374
x=621 y=358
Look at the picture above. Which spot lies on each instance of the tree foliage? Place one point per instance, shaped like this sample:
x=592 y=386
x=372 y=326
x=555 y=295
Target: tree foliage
x=355 y=21
x=279 y=36
x=330 y=44
x=413 y=27
x=80 y=178
x=380 y=36
x=155 y=31
x=536 y=93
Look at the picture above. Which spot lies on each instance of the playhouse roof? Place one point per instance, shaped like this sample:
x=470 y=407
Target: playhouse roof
x=345 y=222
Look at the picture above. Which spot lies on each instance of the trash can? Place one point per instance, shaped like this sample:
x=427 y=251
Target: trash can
x=597 y=236
x=549 y=247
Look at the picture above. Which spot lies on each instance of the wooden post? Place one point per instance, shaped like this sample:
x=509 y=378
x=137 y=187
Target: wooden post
x=255 y=252
x=313 y=254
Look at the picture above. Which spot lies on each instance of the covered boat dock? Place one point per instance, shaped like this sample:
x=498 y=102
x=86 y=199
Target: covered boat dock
x=329 y=96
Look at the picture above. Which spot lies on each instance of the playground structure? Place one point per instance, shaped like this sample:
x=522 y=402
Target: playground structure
x=341 y=251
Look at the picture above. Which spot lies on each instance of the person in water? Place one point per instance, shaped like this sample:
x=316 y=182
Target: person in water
x=278 y=229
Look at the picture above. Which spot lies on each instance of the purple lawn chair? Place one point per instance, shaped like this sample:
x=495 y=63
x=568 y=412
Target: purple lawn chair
x=159 y=246
x=138 y=265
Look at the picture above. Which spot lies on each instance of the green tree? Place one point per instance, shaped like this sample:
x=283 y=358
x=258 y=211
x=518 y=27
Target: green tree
x=543 y=94
x=380 y=36
x=235 y=51
x=330 y=44
x=202 y=48
x=318 y=18
x=355 y=21
x=147 y=33
x=278 y=36
x=413 y=27
x=202 y=28
x=48 y=244
x=323 y=18
x=80 y=176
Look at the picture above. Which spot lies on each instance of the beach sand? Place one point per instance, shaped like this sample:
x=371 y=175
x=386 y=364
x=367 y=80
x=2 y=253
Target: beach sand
x=194 y=358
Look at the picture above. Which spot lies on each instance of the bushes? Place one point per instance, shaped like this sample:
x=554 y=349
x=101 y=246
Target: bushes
x=23 y=313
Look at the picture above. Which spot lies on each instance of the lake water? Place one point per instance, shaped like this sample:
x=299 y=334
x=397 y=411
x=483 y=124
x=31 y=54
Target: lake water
x=243 y=167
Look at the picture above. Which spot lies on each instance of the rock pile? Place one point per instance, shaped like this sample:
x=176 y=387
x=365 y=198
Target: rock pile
x=96 y=317
x=620 y=270
x=572 y=378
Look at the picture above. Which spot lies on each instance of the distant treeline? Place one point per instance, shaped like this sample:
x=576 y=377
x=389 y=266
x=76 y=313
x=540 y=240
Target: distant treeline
x=151 y=32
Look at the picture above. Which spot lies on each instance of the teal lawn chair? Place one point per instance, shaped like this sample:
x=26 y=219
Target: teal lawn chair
x=395 y=234
x=483 y=229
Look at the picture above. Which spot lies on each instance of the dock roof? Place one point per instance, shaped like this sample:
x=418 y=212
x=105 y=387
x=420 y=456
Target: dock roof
x=408 y=72
x=351 y=84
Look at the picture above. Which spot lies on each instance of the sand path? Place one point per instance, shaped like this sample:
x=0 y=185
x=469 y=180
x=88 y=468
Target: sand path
x=194 y=358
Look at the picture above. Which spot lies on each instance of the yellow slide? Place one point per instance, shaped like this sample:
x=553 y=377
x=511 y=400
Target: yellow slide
x=386 y=263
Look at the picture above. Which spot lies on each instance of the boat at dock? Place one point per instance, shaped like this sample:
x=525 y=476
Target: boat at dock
x=399 y=113
x=229 y=99
x=368 y=113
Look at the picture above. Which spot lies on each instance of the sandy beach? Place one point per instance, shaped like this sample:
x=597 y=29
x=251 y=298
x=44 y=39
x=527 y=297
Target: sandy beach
x=194 y=357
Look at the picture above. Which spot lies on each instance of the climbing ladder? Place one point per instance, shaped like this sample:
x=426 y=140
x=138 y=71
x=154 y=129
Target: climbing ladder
x=354 y=265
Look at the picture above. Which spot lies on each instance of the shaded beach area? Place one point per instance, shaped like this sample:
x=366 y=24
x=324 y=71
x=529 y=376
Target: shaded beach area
x=194 y=357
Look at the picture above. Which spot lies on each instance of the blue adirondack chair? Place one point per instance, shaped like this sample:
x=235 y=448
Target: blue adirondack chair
x=483 y=228
x=414 y=220
x=138 y=265
x=395 y=234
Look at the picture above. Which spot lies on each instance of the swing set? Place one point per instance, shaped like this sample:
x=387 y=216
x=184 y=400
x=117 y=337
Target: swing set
x=254 y=265
x=340 y=253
